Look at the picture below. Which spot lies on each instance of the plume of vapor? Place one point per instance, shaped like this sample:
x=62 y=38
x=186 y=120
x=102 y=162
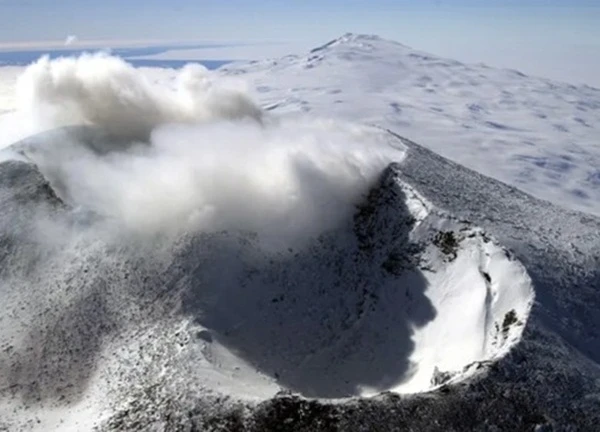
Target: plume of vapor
x=105 y=91
x=192 y=153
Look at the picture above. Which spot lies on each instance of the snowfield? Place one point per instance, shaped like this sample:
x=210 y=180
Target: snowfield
x=536 y=134
x=180 y=253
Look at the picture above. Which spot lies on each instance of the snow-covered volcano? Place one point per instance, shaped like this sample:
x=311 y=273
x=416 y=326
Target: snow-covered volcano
x=397 y=296
x=218 y=266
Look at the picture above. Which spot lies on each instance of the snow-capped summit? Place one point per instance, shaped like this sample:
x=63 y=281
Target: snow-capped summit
x=360 y=41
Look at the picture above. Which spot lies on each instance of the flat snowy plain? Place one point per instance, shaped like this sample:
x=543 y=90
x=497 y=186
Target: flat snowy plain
x=156 y=270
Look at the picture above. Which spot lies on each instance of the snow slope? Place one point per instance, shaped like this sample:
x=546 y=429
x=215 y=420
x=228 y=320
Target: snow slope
x=536 y=134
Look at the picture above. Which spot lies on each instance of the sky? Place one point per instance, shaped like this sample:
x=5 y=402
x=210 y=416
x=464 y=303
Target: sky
x=558 y=39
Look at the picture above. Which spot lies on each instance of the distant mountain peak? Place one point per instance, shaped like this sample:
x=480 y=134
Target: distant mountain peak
x=359 y=37
x=356 y=39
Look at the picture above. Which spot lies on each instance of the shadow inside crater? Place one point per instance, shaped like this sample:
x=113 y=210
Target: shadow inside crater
x=331 y=320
